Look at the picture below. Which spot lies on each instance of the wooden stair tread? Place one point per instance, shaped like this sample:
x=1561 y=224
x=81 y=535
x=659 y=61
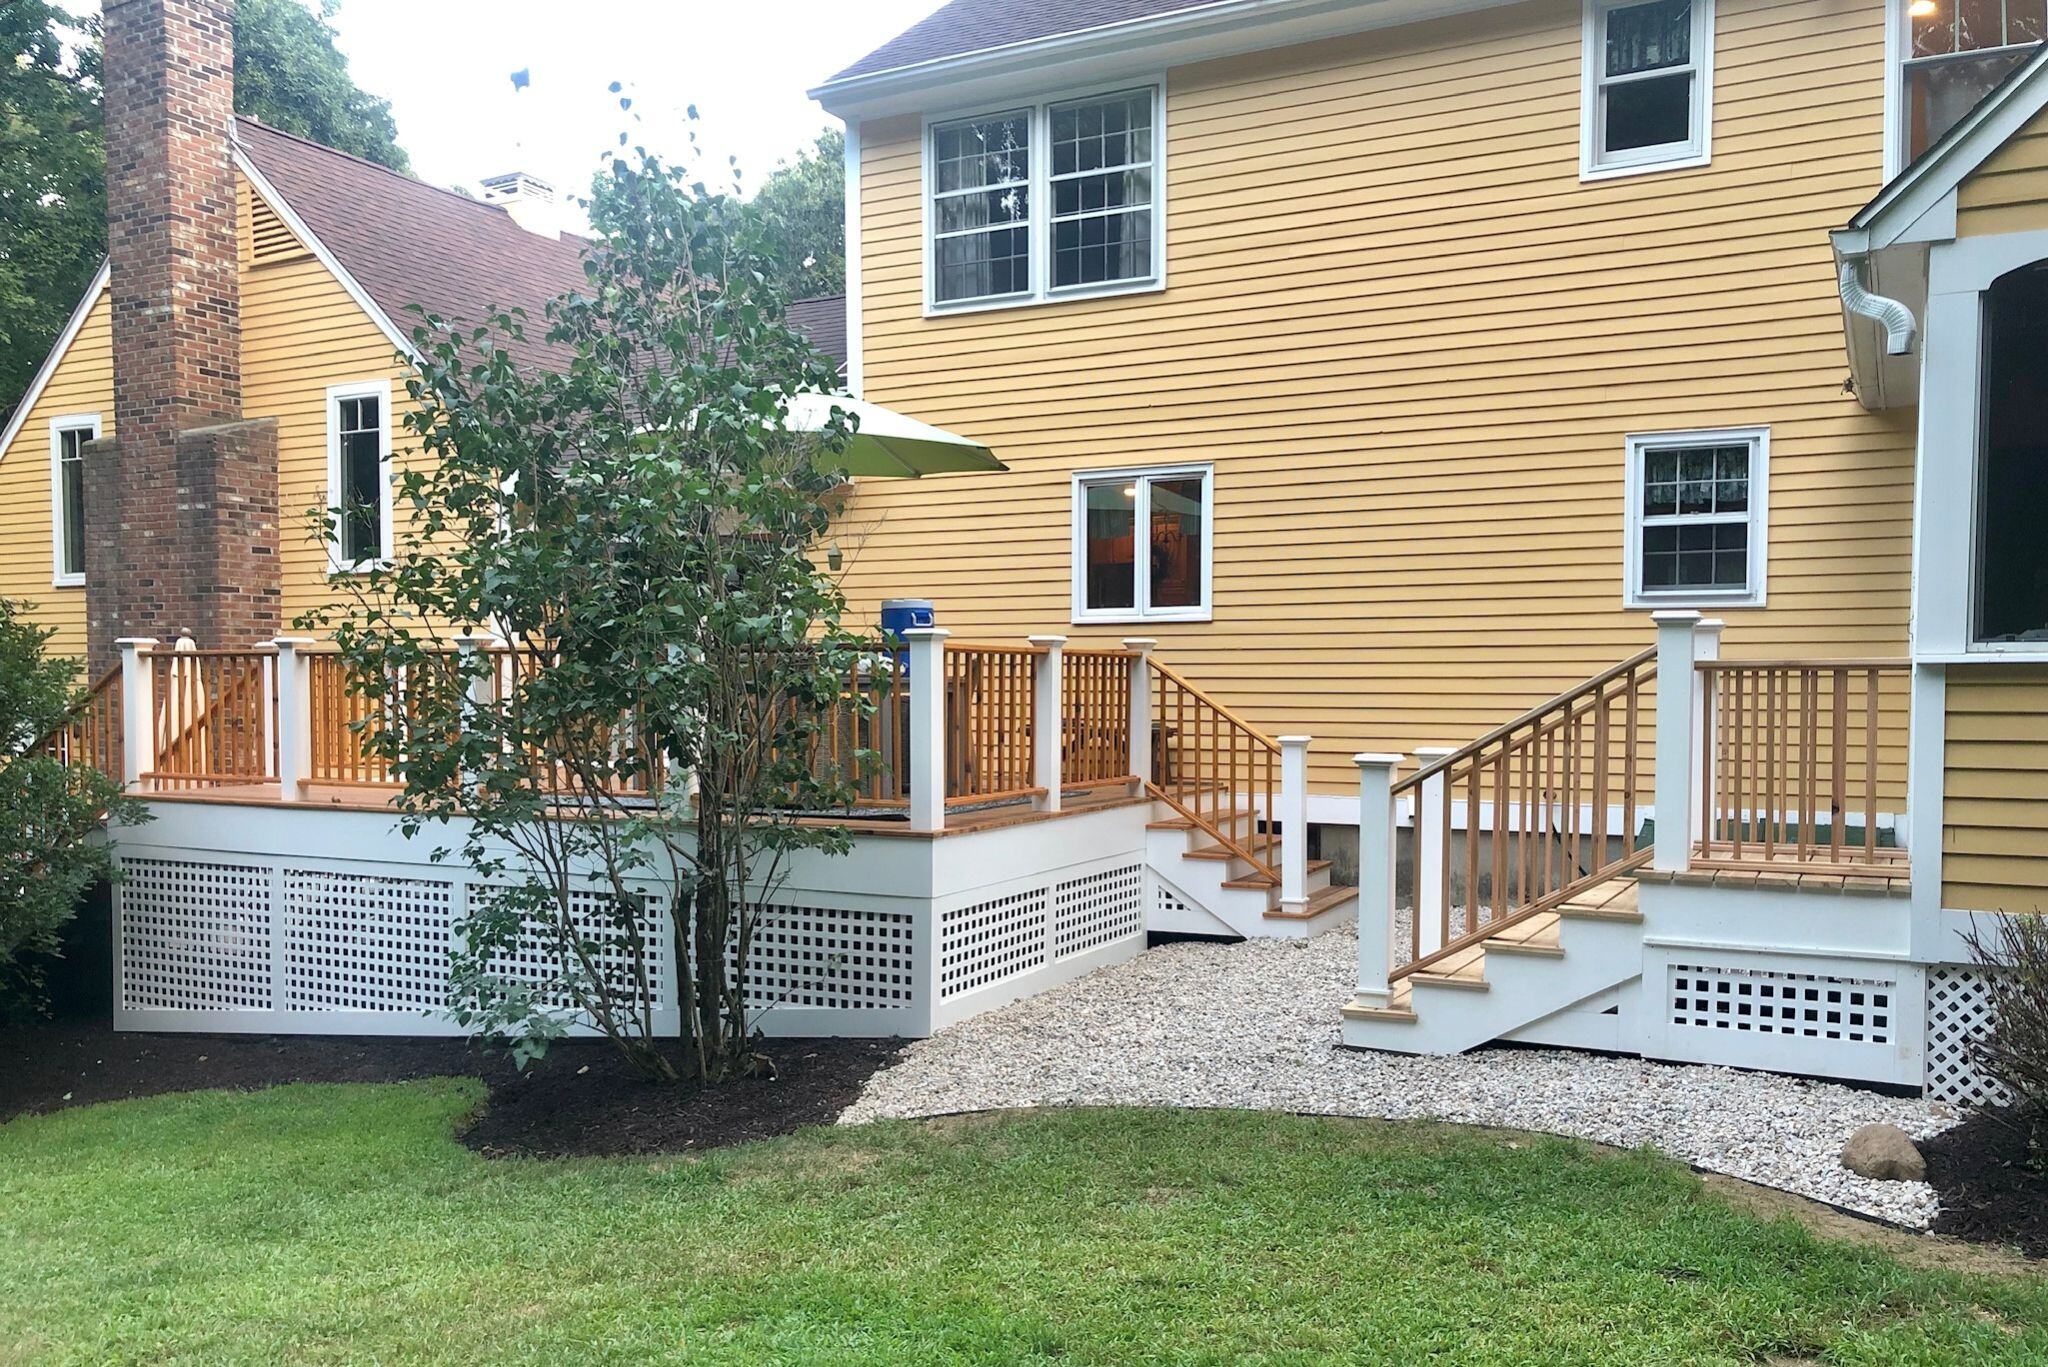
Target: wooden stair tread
x=1328 y=898
x=1260 y=880
x=1257 y=844
x=1618 y=899
x=1537 y=935
x=1181 y=823
x=1465 y=969
x=1400 y=1007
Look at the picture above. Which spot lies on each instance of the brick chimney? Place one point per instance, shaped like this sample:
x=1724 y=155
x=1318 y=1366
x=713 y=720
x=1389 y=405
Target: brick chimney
x=181 y=503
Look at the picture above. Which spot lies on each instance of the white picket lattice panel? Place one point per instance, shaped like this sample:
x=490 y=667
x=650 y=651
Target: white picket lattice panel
x=986 y=942
x=1097 y=909
x=537 y=956
x=195 y=937
x=354 y=942
x=1960 y=1011
x=1167 y=904
x=1768 y=1002
x=831 y=957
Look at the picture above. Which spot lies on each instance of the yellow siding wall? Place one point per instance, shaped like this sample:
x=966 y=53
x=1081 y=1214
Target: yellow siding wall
x=1412 y=342
x=300 y=333
x=84 y=383
x=1995 y=821
x=2009 y=192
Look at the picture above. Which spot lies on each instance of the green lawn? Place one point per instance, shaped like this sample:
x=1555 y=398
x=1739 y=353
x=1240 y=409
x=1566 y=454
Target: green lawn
x=346 y=1224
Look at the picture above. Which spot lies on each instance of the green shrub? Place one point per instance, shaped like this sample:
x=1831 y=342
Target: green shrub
x=2015 y=1050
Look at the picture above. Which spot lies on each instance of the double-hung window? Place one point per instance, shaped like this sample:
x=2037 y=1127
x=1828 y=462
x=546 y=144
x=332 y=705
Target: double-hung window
x=1054 y=200
x=1960 y=50
x=68 y=439
x=1648 y=98
x=1697 y=529
x=359 y=473
x=1142 y=545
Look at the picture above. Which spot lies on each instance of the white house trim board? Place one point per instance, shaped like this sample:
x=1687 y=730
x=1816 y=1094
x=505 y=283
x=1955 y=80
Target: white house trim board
x=325 y=257
x=856 y=367
x=59 y=425
x=58 y=349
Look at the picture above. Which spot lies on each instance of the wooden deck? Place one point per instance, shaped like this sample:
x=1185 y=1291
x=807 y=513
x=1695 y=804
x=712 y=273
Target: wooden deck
x=1887 y=872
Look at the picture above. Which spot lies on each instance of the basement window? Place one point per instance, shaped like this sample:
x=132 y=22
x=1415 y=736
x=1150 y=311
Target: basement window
x=1648 y=86
x=2012 y=556
x=1142 y=541
x=68 y=439
x=359 y=474
x=1697 y=531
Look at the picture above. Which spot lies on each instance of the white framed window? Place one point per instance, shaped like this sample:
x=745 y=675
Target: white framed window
x=1648 y=86
x=1143 y=540
x=1950 y=54
x=68 y=438
x=1698 y=518
x=359 y=474
x=1055 y=200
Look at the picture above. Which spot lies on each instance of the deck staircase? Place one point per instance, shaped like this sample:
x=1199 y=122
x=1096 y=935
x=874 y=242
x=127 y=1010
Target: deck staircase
x=1208 y=888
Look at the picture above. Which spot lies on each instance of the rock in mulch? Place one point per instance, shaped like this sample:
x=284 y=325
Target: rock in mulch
x=1884 y=1153
x=1255 y=1025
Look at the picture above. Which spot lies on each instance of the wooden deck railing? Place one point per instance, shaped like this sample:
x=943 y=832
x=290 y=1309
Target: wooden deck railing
x=91 y=733
x=1214 y=768
x=1560 y=786
x=214 y=714
x=1795 y=767
x=861 y=741
x=1095 y=732
x=990 y=708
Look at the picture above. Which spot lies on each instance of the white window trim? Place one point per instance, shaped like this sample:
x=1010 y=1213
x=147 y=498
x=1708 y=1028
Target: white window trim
x=1698 y=150
x=1634 y=595
x=371 y=389
x=1038 y=223
x=68 y=422
x=1144 y=612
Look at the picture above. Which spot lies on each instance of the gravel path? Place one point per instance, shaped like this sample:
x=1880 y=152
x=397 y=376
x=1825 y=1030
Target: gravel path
x=1254 y=1025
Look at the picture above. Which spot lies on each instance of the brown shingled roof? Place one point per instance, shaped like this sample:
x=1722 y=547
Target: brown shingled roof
x=407 y=242
x=965 y=26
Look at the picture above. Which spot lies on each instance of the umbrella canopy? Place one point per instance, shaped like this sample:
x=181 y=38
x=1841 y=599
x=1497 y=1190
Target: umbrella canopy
x=887 y=445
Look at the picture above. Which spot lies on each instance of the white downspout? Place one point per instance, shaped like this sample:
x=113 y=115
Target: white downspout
x=1894 y=317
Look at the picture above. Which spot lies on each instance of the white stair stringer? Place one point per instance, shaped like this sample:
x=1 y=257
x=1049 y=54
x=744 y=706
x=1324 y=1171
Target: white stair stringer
x=1503 y=989
x=1185 y=862
x=1603 y=1021
x=1169 y=910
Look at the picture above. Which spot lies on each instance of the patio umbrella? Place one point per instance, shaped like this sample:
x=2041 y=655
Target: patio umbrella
x=887 y=445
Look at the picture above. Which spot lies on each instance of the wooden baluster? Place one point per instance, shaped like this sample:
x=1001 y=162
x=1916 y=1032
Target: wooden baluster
x=1870 y=772
x=1839 y=803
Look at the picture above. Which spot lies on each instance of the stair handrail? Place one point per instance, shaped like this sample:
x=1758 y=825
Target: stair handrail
x=104 y=692
x=1252 y=737
x=1546 y=722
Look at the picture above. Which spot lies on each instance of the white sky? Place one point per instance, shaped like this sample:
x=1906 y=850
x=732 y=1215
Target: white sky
x=446 y=66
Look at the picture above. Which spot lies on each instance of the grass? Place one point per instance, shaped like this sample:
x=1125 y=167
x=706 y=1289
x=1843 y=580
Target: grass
x=329 y=1224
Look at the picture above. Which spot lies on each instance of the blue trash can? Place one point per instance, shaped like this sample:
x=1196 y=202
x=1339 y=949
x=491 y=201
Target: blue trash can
x=902 y=614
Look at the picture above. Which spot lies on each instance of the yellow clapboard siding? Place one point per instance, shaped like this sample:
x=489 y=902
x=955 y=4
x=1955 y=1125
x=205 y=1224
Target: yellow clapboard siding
x=2009 y=192
x=82 y=383
x=1995 y=817
x=1411 y=342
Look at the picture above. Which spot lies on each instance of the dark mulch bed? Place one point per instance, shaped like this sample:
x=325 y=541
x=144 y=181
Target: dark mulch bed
x=1989 y=1192
x=581 y=1099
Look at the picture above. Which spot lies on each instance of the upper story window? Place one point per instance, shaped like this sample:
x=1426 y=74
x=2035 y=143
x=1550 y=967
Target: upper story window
x=1696 y=527
x=1648 y=90
x=1050 y=201
x=68 y=439
x=1961 y=50
x=1141 y=545
x=359 y=473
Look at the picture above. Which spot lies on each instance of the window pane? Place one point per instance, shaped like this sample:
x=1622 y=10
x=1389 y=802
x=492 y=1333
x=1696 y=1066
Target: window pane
x=978 y=152
x=1112 y=513
x=1649 y=37
x=1176 y=543
x=1648 y=113
x=983 y=209
x=362 y=480
x=1114 y=132
x=984 y=265
x=1942 y=92
x=71 y=495
x=1104 y=247
x=1115 y=190
x=2012 y=560
x=1707 y=555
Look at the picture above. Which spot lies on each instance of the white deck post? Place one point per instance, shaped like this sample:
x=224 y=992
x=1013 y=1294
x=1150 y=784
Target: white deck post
x=482 y=690
x=1432 y=849
x=1293 y=817
x=927 y=684
x=138 y=710
x=1141 y=707
x=1048 y=721
x=1677 y=732
x=1706 y=645
x=294 y=718
x=1375 y=878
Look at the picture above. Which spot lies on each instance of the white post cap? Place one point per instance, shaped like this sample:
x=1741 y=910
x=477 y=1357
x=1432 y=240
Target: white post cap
x=1047 y=641
x=1383 y=761
x=1672 y=617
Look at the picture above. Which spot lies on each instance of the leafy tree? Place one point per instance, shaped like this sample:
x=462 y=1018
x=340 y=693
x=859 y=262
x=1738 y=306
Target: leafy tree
x=47 y=809
x=806 y=201
x=53 y=204
x=638 y=529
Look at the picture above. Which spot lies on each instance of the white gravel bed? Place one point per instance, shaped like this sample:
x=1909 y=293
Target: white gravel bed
x=1255 y=1026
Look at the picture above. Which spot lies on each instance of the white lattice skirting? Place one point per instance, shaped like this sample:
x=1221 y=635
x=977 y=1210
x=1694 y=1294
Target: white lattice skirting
x=1958 y=1013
